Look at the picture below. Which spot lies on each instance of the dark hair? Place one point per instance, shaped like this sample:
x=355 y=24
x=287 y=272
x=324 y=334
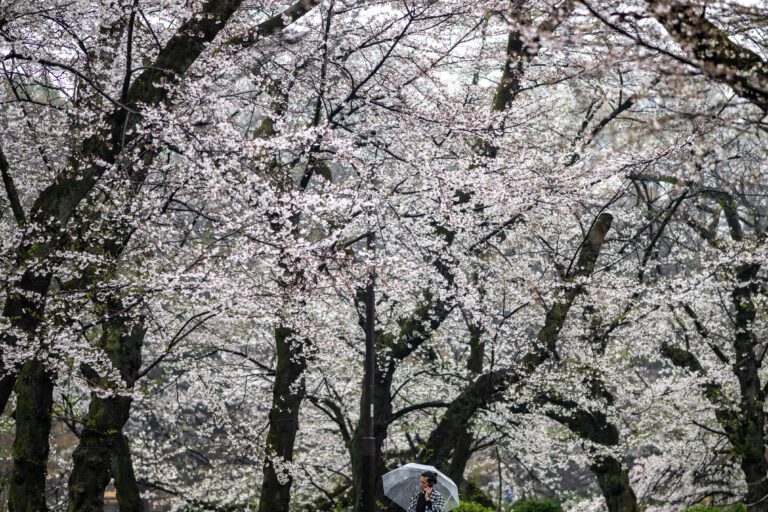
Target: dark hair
x=431 y=476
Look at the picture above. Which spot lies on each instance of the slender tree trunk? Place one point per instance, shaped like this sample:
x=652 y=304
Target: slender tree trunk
x=390 y=351
x=6 y=388
x=382 y=404
x=283 y=420
x=34 y=388
x=462 y=448
x=101 y=439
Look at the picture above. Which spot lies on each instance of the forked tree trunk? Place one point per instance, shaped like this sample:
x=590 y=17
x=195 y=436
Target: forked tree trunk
x=490 y=386
x=102 y=442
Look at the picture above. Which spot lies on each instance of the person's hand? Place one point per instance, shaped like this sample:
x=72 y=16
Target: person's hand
x=427 y=492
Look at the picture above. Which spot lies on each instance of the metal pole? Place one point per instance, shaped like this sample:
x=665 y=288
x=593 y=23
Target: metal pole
x=368 y=448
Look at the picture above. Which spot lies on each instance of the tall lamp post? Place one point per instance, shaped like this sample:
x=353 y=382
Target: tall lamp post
x=368 y=447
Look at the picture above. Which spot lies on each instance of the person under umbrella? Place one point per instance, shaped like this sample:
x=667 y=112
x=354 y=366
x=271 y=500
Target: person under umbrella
x=400 y=486
x=427 y=498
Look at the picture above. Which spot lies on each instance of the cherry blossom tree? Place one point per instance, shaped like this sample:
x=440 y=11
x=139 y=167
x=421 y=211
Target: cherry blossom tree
x=567 y=203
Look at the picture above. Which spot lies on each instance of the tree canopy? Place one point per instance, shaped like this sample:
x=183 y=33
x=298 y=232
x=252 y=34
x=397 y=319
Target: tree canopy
x=563 y=204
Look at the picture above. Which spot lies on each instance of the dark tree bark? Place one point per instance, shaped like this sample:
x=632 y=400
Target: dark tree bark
x=749 y=445
x=101 y=439
x=614 y=482
x=383 y=407
x=611 y=474
x=713 y=52
x=53 y=208
x=744 y=425
x=476 y=349
x=10 y=190
x=128 y=494
x=283 y=419
x=6 y=388
x=34 y=388
x=489 y=387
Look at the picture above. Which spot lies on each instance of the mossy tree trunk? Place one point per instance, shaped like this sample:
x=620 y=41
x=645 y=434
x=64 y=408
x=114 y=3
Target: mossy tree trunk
x=744 y=424
x=128 y=494
x=34 y=388
x=614 y=483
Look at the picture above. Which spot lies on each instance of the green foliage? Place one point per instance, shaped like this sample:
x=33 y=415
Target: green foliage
x=471 y=506
x=338 y=507
x=536 y=505
x=472 y=493
x=737 y=507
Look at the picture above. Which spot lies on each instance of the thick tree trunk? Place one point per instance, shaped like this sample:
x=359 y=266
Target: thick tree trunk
x=34 y=388
x=462 y=450
x=99 y=442
x=101 y=439
x=283 y=420
x=614 y=482
x=128 y=494
x=749 y=444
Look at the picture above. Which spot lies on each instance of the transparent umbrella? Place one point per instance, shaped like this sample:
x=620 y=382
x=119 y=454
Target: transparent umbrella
x=402 y=483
